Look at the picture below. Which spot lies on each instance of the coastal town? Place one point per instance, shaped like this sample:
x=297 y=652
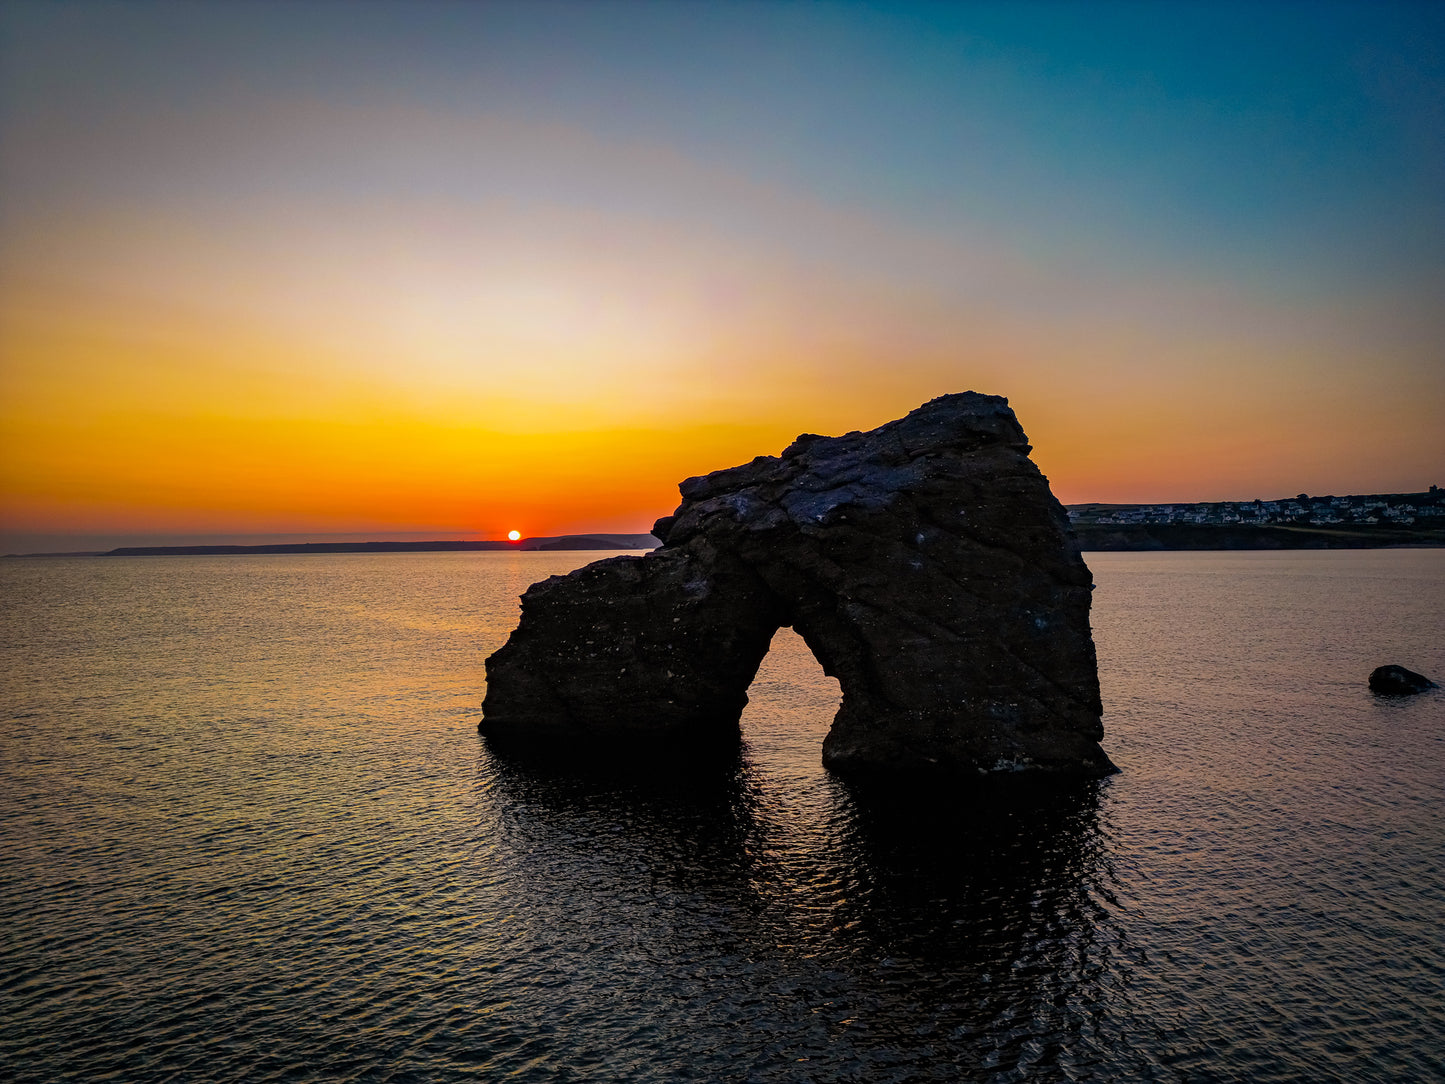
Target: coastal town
x=1388 y=509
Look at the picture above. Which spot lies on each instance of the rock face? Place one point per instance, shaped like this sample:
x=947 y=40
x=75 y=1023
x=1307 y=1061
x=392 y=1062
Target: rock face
x=925 y=563
x=1397 y=681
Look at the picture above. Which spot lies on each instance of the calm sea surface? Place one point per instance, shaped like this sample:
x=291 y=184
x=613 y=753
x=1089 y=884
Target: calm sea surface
x=248 y=833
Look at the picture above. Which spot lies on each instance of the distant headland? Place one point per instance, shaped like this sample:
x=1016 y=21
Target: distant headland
x=547 y=542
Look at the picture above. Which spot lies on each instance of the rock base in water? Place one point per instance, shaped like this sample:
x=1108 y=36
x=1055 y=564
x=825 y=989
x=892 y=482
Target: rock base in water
x=925 y=563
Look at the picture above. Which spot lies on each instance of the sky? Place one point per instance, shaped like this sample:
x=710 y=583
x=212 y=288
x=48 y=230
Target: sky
x=312 y=270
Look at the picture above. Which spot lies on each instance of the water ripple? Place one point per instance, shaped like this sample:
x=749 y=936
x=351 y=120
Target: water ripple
x=249 y=833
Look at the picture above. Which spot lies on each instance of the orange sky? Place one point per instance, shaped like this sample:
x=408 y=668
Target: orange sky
x=239 y=306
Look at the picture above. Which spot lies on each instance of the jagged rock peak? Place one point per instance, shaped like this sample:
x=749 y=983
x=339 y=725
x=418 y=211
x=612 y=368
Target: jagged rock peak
x=821 y=474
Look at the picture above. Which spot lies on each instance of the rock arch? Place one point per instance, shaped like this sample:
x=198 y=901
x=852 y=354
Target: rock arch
x=925 y=563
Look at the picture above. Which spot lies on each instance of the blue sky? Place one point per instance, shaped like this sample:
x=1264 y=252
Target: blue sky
x=1285 y=130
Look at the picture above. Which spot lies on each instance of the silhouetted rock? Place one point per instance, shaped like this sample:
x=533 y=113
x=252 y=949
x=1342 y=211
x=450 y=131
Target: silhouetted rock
x=1397 y=681
x=925 y=563
x=654 y=649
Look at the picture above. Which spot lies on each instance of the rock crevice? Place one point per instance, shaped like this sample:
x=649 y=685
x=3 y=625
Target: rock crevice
x=925 y=563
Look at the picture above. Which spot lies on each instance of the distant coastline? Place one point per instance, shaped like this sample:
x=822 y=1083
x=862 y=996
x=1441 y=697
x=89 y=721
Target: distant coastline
x=1361 y=521
x=550 y=542
x=1210 y=536
x=1369 y=521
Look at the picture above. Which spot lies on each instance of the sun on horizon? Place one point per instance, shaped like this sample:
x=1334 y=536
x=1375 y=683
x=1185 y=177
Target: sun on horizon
x=365 y=271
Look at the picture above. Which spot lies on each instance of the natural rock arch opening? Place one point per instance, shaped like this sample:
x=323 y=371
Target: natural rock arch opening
x=925 y=563
x=791 y=706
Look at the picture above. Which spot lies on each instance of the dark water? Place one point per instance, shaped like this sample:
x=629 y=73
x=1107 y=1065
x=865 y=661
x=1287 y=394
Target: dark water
x=249 y=833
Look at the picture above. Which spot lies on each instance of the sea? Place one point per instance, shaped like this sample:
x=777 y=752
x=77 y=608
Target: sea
x=248 y=832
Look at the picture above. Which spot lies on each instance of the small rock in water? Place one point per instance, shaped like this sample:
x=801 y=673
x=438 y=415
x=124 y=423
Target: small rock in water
x=1397 y=681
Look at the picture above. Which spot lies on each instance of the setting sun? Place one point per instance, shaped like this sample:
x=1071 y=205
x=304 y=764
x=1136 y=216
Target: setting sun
x=513 y=536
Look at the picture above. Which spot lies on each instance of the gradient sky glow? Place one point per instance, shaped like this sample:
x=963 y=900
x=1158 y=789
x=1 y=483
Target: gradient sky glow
x=446 y=270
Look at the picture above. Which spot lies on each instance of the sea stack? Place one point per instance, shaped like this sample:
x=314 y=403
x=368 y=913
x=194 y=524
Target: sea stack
x=925 y=563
